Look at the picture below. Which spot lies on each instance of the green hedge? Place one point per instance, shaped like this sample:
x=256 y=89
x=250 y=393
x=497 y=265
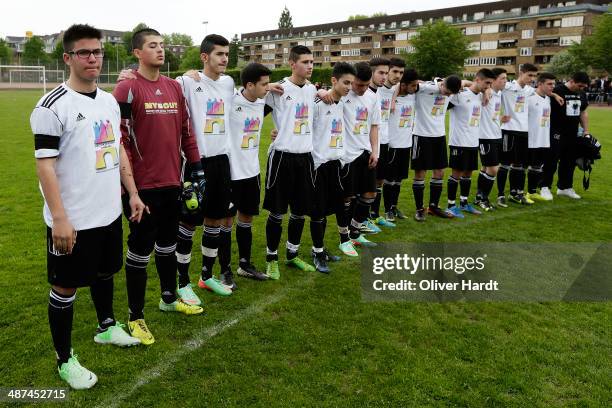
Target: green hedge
x=321 y=75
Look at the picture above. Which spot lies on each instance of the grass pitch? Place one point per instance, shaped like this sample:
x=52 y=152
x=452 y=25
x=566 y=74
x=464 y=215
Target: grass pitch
x=308 y=339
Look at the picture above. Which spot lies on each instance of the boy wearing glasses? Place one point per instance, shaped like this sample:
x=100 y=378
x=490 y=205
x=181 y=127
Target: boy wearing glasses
x=81 y=166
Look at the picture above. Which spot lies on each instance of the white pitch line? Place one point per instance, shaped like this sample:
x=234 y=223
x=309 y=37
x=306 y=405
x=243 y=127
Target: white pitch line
x=196 y=342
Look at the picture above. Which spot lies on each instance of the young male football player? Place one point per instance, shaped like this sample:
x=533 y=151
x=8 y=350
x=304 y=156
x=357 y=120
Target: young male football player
x=328 y=150
x=290 y=173
x=490 y=140
x=463 y=141
x=429 y=142
x=514 y=133
x=209 y=99
x=81 y=166
x=563 y=131
x=400 y=142
x=361 y=121
x=383 y=89
x=246 y=121
x=155 y=130
x=538 y=106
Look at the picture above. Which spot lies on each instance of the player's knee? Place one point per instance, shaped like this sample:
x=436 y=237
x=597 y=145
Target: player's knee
x=64 y=291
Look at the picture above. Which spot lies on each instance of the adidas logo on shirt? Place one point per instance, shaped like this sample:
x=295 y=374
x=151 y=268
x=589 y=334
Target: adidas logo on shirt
x=198 y=89
x=239 y=109
x=158 y=92
x=288 y=97
x=328 y=113
x=80 y=117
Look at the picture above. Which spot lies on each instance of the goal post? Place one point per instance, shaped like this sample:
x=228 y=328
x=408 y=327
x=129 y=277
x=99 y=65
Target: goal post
x=42 y=77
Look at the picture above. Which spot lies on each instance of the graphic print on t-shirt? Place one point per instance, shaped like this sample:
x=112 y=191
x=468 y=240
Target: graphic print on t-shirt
x=545 y=119
x=215 y=120
x=335 y=141
x=251 y=130
x=385 y=109
x=572 y=108
x=107 y=157
x=300 y=126
x=361 y=121
x=519 y=104
x=405 y=117
x=475 y=118
x=438 y=105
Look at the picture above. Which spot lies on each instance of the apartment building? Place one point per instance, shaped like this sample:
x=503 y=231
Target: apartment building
x=502 y=34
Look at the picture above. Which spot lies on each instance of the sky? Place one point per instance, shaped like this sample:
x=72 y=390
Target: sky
x=187 y=16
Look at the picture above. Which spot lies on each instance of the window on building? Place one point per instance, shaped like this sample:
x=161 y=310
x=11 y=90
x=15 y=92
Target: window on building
x=475 y=46
x=490 y=28
x=405 y=24
x=326 y=47
x=569 y=40
x=533 y=10
x=576 y=21
x=472 y=61
x=473 y=30
x=376 y=44
x=401 y=36
x=525 y=51
x=479 y=15
x=526 y=34
x=488 y=45
x=488 y=60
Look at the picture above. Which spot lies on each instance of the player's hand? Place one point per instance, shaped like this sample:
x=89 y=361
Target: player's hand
x=276 y=88
x=392 y=109
x=273 y=134
x=559 y=99
x=325 y=96
x=193 y=74
x=486 y=97
x=63 y=235
x=505 y=119
x=126 y=74
x=137 y=208
x=373 y=161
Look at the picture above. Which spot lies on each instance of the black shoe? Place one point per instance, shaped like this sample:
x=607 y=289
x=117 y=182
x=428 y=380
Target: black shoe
x=227 y=278
x=320 y=262
x=419 y=215
x=329 y=257
x=399 y=214
x=249 y=271
x=438 y=212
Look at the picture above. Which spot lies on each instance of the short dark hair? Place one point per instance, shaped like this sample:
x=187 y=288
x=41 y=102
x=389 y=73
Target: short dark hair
x=410 y=75
x=295 y=52
x=545 y=76
x=364 y=72
x=581 y=77
x=528 y=68
x=453 y=83
x=485 y=73
x=343 y=68
x=397 y=62
x=209 y=42
x=376 y=61
x=77 y=32
x=138 y=38
x=498 y=71
x=253 y=73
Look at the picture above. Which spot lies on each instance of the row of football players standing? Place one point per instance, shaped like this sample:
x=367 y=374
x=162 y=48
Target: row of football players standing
x=333 y=152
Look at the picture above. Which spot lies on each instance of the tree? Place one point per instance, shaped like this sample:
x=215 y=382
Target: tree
x=439 y=50
x=285 y=20
x=34 y=52
x=178 y=39
x=191 y=59
x=363 y=16
x=594 y=50
x=171 y=59
x=58 y=51
x=114 y=56
x=564 y=64
x=234 y=52
x=5 y=52
x=127 y=37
